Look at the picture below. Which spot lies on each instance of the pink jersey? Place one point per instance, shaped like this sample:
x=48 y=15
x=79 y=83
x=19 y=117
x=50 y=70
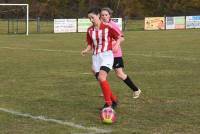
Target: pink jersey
x=116 y=27
x=101 y=39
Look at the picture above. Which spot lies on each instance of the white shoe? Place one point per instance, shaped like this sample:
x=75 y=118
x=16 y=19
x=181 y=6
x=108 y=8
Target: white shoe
x=136 y=94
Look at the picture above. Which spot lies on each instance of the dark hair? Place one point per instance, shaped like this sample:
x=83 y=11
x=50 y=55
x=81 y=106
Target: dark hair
x=95 y=10
x=110 y=11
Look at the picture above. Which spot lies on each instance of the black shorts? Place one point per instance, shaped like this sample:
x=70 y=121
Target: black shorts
x=118 y=63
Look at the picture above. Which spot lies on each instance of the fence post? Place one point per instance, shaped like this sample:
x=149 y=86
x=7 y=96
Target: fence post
x=125 y=22
x=13 y=26
x=165 y=21
x=8 y=26
x=77 y=25
x=16 y=26
x=185 y=22
x=38 y=24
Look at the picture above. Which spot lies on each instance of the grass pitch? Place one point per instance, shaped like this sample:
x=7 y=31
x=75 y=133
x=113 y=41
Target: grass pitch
x=44 y=75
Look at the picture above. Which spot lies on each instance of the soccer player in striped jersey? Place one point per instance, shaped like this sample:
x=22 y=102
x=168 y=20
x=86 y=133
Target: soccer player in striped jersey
x=99 y=39
x=118 y=61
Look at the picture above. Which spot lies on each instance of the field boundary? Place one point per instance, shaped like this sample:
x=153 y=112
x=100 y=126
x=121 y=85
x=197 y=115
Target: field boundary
x=93 y=130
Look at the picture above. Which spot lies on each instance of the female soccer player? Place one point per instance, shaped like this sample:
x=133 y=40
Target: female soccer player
x=99 y=39
x=118 y=61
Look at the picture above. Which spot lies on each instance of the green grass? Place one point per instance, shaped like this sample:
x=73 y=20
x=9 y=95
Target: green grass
x=43 y=74
x=134 y=25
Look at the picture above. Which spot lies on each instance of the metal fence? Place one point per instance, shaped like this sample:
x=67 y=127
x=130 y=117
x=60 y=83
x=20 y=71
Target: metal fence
x=18 y=26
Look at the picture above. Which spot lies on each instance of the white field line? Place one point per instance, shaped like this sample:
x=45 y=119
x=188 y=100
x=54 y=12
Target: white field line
x=163 y=56
x=48 y=50
x=93 y=130
x=78 y=52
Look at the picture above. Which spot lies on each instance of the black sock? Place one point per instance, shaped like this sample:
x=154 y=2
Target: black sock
x=130 y=84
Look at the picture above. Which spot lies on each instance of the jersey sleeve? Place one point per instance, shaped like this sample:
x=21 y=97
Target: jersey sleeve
x=114 y=33
x=116 y=27
x=88 y=38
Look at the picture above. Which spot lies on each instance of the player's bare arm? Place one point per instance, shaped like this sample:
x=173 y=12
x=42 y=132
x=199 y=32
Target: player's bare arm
x=86 y=50
x=118 y=42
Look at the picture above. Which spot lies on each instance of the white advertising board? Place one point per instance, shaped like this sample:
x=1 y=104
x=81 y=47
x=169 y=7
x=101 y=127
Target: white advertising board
x=192 y=22
x=65 y=25
x=175 y=22
x=83 y=25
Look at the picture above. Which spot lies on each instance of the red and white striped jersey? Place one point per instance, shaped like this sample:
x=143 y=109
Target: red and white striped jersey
x=101 y=39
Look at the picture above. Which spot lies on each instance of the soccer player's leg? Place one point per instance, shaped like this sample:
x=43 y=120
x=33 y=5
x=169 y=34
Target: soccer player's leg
x=96 y=76
x=102 y=77
x=110 y=99
x=101 y=73
x=106 y=66
x=118 y=67
x=96 y=65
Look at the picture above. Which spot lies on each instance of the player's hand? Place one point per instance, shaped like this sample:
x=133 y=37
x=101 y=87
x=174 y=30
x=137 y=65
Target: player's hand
x=115 y=48
x=83 y=52
x=86 y=50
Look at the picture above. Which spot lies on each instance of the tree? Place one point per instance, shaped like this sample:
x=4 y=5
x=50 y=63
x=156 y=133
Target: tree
x=131 y=8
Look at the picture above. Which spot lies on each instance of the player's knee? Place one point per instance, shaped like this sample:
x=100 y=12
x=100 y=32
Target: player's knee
x=101 y=77
x=103 y=73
